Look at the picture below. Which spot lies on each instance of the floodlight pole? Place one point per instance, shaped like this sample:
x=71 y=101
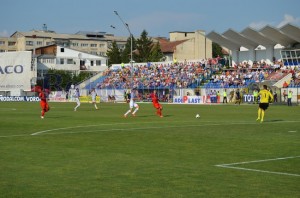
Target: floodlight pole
x=131 y=61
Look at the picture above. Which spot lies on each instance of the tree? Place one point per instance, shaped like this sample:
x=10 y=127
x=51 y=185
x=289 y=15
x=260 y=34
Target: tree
x=156 y=53
x=113 y=54
x=216 y=50
x=126 y=53
x=58 y=80
x=143 y=48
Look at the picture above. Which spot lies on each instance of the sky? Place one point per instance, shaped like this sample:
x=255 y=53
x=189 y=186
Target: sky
x=157 y=17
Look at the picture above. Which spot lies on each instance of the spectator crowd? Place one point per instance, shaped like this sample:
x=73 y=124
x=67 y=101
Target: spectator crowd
x=207 y=73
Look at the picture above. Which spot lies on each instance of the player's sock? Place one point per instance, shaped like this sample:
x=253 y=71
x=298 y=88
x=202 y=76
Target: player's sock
x=159 y=112
x=135 y=111
x=96 y=106
x=262 y=116
x=127 y=113
x=258 y=114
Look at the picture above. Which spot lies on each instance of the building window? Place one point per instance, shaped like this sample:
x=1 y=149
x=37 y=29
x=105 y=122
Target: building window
x=75 y=44
x=2 y=42
x=98 y=62
x=93 y=45
x=29 y=43
x=84 y=45
x=69 y=61
x=94 y=53
x=39 y=43
x=11 y=43
x=61 y=61
x=101 y=45
x=48 y=43
x=62 y=49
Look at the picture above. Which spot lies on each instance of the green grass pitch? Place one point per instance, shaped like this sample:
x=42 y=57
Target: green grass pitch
x=99 y=153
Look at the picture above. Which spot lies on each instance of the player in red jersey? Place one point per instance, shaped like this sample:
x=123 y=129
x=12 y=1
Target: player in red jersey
x=44 y=105
x=156 y=104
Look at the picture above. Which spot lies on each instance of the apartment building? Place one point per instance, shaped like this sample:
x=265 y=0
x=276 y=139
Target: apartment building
x=95 y=43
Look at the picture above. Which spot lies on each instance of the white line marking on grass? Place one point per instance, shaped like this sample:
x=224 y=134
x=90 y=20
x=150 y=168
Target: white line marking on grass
x=258 y=161
x=128 y=129
x=292 y=131
x=7 y=136
x=106 y=124
x=142 y=128
x=8 y=109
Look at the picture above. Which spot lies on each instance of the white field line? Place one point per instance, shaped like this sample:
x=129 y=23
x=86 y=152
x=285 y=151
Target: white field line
x=128 y=129
x=142 y=128
x=7 y=136
x=232 y=166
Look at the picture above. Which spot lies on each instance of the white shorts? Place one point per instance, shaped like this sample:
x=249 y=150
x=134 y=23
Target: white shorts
x=77 y=101
x=132 y=104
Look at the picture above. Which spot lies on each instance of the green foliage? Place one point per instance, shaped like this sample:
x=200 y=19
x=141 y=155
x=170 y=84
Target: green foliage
x=58 y=80
x=216 y=50
x=114 y=54
x=156 y=53
x=143 y=48
x=126 y=53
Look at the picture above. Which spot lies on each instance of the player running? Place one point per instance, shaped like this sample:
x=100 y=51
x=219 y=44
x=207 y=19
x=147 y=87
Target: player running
x=132 y=104
x=265 y=98
x=94 y=95
x=156 y=104
x=77 y=96
x=44 y=104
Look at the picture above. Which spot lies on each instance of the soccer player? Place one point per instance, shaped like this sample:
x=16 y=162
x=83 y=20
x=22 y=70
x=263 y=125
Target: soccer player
x=94 y=95
x=132 y=103
x=238 y=97
x=44 y=104
x=76 y=96
x=265 y=98
x=156 y=104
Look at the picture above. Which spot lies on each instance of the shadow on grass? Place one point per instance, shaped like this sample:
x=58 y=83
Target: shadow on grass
x=274 y=120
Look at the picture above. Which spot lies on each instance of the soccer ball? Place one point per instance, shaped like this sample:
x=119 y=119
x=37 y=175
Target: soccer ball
x=197 y=115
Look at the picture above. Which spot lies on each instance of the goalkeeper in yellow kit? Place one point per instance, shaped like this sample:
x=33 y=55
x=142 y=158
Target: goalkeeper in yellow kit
x=265 y=98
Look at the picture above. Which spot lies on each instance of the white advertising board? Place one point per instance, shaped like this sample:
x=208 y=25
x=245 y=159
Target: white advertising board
x=15 y=70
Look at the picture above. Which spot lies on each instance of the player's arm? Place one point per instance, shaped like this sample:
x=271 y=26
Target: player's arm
x=271 y=97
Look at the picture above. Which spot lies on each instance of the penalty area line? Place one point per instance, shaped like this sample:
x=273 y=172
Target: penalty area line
x=233 y=166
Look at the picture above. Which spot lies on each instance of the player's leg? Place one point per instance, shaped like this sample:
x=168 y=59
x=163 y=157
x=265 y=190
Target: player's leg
x=130 y=108
x=262 y=115
x=160 y=110
x=259 y=114
x=95 y=104
x=78 y=104
x=136 y=109
x=43 y=106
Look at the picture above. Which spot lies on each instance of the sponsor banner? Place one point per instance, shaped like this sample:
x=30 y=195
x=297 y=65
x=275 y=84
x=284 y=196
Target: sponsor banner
x=88 y=99
x=15 y=70
x=249 y=98
x=19 y=99
x=188 y=100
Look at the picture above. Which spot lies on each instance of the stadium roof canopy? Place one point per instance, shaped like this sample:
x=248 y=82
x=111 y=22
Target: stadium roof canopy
x=257 y=37
x=287 y=36
x=292 y=31
x=222 y=40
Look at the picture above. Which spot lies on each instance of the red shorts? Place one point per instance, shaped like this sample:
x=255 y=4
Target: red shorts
x=157 y=105
x=44 y=106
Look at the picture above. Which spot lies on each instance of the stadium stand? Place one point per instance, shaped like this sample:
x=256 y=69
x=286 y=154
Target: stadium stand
x=195 y=74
